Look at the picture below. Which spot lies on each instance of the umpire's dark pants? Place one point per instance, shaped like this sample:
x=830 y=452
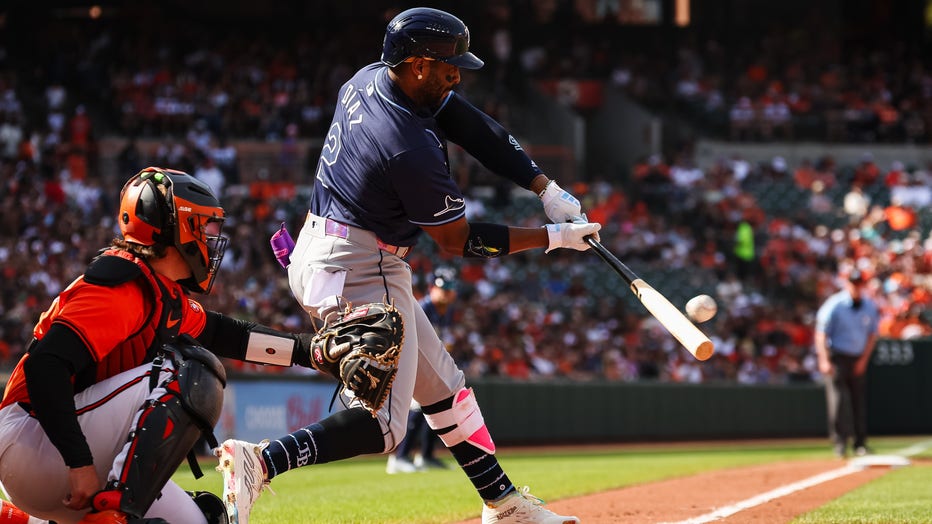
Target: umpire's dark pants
x=846 y=395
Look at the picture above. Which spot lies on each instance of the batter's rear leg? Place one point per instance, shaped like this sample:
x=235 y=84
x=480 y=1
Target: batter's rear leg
x=460 y=425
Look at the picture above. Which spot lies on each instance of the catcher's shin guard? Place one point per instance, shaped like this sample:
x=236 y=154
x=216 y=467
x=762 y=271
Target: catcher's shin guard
x=167 y=429
x=463 y=422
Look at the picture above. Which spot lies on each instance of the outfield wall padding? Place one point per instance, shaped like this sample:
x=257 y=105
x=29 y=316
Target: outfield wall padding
x=899 y=388
x=599 y=412
x=899 y=402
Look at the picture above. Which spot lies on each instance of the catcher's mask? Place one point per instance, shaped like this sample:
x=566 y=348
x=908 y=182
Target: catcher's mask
x=171 y=208
x=429 y=33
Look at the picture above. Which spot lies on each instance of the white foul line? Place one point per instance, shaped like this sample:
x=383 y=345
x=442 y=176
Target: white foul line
x=782 y=491
x=915 y=449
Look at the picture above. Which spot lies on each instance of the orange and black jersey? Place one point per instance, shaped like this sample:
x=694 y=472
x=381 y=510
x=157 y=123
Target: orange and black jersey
x=120 y=324
x=112 y=319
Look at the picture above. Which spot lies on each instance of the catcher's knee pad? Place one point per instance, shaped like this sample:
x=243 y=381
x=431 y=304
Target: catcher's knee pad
x=211 y=506
x=462 y=423
x=167 y=428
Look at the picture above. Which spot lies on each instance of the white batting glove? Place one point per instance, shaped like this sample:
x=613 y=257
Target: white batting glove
x=583 y=219
x=559 y=205
x=570 y=235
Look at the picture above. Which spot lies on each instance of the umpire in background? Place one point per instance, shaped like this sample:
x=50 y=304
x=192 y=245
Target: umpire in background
x=845 y=335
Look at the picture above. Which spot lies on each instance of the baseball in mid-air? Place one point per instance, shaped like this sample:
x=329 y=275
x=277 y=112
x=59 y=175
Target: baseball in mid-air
x=701 y=308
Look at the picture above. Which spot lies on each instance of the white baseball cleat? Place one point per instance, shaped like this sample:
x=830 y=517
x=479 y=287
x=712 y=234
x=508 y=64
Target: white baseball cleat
x=399 y=465
x=520 y=507
x=243 y=477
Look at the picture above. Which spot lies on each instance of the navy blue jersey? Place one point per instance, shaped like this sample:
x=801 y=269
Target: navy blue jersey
x=384 y=163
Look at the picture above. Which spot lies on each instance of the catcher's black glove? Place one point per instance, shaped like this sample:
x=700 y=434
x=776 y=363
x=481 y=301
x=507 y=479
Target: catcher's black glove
x=360 y=346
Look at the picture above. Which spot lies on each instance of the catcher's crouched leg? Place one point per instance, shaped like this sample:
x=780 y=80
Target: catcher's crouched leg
x=462 y=422
x=167 y=429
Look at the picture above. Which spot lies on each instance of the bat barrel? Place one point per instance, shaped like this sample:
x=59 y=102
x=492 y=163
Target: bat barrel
x=676 y=323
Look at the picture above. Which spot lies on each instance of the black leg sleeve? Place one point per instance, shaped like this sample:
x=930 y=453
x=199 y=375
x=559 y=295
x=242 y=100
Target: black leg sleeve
x=347 y=434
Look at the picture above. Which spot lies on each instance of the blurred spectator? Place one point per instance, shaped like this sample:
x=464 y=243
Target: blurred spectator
x=205 y=88
x=856 y=203
x=896 y=176
x=225 y=156
x=11 y=134
x=210 y=174
x=776 y=118
x=743 y=117
x=130 y=158
x=899 y=217
x=867 y=172
x=805 y=174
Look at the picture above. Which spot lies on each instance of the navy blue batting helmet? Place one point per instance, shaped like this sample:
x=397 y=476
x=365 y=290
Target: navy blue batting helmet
x=428 y=33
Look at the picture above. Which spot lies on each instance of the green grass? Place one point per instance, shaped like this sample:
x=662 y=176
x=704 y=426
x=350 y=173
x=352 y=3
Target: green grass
x=359 y=491
x=901 y=496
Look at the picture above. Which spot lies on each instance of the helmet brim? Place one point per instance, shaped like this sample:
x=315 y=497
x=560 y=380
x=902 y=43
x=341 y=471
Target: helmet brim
x=466 y=60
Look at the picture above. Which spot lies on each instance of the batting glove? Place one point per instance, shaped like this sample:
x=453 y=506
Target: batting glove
x=571 y=235
x=559 y=205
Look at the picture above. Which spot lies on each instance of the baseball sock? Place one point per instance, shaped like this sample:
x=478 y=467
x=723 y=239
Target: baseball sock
x=482 y=468
x=343 y=435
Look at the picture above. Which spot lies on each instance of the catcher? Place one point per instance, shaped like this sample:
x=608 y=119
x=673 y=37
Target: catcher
x=122 y=377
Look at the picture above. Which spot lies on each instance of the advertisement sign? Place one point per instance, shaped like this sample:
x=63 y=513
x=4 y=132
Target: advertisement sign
x=255 y=410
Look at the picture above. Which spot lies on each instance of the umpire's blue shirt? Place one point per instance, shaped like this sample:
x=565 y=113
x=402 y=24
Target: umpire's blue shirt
x=384 y=164
x=847 y=328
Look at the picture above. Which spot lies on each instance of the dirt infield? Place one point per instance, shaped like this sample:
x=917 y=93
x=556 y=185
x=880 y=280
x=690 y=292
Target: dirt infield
x=690 y=497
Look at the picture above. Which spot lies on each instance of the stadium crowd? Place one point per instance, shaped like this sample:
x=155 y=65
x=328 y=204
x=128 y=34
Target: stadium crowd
x=769 y=238
x=806 y=80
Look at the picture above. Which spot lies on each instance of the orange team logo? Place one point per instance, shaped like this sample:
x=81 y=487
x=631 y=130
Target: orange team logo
x=171 y=322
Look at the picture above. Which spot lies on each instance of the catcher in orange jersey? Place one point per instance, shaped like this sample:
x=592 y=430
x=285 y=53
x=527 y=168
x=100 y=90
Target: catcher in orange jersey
x=122 y=377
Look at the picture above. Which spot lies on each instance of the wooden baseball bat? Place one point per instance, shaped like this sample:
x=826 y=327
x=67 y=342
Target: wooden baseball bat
x=669 y=315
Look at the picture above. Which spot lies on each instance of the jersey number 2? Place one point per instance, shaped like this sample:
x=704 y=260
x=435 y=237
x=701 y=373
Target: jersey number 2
x=332 y=144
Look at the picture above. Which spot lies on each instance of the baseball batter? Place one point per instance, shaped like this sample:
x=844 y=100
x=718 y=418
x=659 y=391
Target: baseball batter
x=382 y=179
x=121 y=378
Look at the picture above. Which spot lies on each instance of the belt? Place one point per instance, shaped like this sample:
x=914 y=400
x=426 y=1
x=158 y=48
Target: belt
x=337 y=229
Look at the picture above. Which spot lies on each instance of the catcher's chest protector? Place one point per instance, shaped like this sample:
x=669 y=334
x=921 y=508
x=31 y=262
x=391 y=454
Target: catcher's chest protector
x=115 y=267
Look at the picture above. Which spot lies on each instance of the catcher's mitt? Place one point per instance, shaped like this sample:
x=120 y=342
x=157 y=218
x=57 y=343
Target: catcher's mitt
x=360 y=346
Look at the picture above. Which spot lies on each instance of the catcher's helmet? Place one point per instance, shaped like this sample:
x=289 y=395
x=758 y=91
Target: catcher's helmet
x=428 y=33
x=171 y=208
